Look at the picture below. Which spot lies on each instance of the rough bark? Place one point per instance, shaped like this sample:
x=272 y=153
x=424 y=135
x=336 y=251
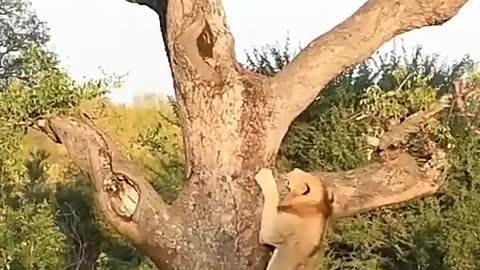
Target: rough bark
x=233 y=122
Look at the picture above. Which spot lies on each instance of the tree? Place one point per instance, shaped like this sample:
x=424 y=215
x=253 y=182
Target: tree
x=20 y=29
x=233 y=122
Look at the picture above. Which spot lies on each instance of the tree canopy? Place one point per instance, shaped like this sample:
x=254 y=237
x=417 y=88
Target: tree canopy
x=20 y=29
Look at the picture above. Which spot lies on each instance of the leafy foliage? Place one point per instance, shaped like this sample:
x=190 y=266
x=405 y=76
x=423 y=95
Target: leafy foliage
x=48 y=91
x=163 y=142
x=20 y=29
x=38 y=225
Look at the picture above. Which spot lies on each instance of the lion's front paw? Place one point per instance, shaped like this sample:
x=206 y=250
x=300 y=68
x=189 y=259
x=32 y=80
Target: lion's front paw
x=265 y=180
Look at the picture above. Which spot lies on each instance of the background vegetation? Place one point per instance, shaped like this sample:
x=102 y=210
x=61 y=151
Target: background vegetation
x=47 y=220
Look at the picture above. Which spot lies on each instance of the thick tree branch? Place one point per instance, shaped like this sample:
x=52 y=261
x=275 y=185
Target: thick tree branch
x=392 y=183
x=122 y=194
x=349 y=43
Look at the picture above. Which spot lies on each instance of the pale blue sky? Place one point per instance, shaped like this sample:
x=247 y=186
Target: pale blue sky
x=119 y=37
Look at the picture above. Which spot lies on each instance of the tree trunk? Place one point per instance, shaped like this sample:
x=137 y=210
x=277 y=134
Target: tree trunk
x=225 y=139
x=233 y=122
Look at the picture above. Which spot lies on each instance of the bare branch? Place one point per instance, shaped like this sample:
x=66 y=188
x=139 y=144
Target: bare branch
x=349 y=43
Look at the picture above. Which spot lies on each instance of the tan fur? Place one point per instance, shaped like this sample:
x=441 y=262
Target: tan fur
x=296 y=226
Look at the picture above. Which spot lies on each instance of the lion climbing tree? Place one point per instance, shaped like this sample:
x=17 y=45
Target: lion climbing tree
x=233 y=121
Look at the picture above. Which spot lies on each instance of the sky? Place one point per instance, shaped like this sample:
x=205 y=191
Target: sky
x=98 y=37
